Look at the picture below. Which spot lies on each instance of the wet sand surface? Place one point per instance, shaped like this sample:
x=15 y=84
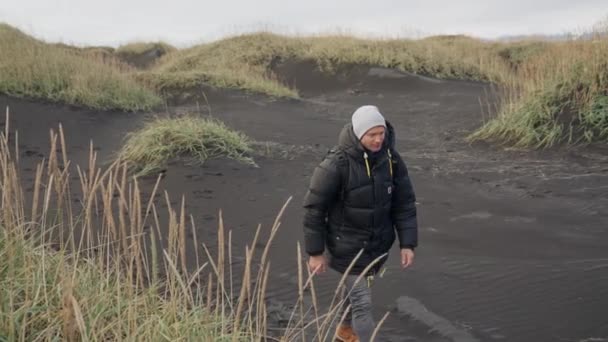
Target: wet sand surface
x=512 y=243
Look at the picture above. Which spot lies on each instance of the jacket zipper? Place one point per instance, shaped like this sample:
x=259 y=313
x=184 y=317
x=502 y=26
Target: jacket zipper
x=370 y=175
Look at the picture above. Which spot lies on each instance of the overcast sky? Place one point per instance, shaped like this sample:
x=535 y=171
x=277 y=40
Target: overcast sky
x=186 y=22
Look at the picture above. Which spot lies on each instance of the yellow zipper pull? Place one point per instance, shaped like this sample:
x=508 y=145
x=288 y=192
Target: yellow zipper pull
x=369 y=172
x=390 y=162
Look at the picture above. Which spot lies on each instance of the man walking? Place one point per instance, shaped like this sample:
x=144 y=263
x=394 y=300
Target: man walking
x=359 y=198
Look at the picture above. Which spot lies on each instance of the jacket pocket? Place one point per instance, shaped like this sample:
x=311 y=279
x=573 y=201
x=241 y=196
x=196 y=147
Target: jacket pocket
x=346 y=246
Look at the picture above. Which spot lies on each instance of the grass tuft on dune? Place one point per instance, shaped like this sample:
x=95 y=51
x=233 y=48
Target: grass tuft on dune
x=194 y=138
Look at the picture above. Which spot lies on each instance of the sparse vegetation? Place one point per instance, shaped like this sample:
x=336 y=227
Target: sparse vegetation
x=194 y=138
x=31 y=68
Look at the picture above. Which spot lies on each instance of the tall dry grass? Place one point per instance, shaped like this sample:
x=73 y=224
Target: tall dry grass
x=77 y=263
x=32 y=68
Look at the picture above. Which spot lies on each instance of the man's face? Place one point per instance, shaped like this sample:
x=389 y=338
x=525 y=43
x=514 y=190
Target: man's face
x=373 y=139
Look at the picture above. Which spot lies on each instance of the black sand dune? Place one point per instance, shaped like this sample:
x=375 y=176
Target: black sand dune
x=513 y=243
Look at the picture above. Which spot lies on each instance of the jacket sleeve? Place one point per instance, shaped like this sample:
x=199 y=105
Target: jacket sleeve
x=322 y=193
x=403 y=209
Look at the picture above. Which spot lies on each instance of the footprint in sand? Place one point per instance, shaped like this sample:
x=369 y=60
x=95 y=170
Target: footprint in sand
x=520 y=219
x=476 y=215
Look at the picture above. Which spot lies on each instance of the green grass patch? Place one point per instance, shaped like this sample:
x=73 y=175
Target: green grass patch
x=596 y=119
x=31 y=68
x=194 y=138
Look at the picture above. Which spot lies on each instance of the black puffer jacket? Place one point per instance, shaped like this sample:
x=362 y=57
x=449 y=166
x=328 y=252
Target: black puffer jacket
x=352 y=204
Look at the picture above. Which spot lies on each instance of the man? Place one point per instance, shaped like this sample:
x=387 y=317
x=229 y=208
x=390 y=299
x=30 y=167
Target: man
x=359 y=197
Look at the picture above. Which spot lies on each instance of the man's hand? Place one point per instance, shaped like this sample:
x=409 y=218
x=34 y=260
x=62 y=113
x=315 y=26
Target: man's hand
x=317 y=264
x=407 y=257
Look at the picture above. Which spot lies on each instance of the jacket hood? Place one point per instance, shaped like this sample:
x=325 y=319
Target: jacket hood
x=348 y=141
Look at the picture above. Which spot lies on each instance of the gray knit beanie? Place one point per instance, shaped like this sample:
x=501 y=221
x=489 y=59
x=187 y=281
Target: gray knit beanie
x=366 y=118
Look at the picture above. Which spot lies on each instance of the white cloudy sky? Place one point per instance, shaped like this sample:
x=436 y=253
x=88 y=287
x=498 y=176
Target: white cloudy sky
x=185 y=22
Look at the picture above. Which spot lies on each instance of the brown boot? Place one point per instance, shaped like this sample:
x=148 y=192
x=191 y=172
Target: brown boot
x=345 y=333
